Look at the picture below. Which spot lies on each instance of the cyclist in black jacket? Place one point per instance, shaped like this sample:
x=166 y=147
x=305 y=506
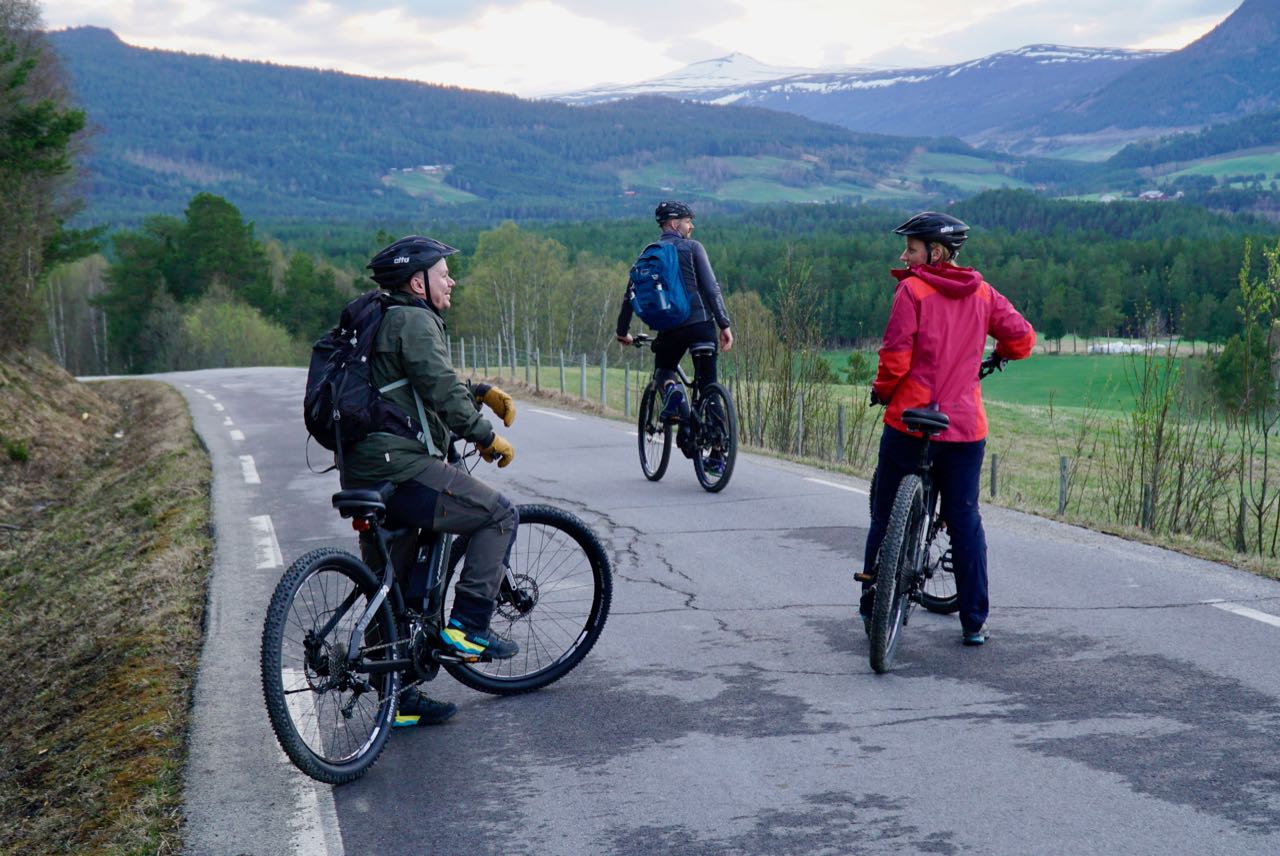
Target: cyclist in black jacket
x=706 y=314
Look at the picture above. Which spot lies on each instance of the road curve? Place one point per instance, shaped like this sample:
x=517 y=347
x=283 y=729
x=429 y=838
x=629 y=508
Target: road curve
x=1128 y=701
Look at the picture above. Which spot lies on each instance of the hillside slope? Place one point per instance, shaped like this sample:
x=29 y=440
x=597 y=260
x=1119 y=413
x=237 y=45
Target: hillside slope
x=292 y=143
x=1229 y=72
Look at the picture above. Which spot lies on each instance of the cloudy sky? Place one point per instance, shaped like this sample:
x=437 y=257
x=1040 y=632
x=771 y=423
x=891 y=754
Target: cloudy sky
x=534 y=47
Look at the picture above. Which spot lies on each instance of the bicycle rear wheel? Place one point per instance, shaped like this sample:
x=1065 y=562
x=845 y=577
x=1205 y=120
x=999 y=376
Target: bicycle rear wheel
x=562 y=589
x=717 y=439
x=331 y=719
x=654 y=436
x=938 y=587
x=896 y=570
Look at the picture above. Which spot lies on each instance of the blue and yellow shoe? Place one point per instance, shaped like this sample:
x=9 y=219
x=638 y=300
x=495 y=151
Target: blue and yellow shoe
x=416 y=709
x=476 y=645
x=675 y=406
x=714 y=464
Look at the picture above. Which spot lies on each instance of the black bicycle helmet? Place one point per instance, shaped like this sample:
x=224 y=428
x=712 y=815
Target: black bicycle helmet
x=396 y=262
x=933 y=227
x=671 y=210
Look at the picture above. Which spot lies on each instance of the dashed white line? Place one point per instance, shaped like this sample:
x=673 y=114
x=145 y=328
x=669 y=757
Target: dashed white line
x=1255 y=614
x=227 y=421
x=237 y=435
x=199 y=390
x=556 y=415
x=249 y=470
x=839 y=486
x=265 y=546
x=315 y=826
x=211 y=397
x=217 y=406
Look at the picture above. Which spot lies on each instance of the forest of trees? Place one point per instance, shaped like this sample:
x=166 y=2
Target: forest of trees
x=1124 y=269
x=39 y=130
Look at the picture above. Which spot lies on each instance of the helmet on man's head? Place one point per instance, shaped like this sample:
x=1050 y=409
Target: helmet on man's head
x=671 y=210
x=933 y=227
x=396 y=262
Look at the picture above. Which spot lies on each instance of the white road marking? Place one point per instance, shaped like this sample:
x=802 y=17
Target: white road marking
x=839 y=486
x=315 y=826
x=265 y=546
x=556 y=415
x=199 y=390
x=218 y=407
x=227 y=421
x=210 y=397
x=1256 y=615
x=249 y=470
x=237 y=435
x=632 y=433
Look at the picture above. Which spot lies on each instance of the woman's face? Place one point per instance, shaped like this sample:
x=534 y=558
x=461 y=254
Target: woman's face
x=917 y=253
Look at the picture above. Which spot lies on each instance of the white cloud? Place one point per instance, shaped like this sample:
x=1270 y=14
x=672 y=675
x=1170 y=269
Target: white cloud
x=539 y=46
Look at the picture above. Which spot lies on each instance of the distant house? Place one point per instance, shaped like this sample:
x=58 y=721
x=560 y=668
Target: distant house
x=1151 y=195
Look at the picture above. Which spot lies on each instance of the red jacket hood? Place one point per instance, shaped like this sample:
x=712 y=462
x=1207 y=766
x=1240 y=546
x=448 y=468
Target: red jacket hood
x=955 y=282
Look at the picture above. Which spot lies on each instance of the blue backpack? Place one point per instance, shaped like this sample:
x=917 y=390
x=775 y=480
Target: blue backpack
x=657 y=289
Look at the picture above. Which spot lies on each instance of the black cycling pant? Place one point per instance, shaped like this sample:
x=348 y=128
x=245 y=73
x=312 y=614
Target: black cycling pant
x=669 y=348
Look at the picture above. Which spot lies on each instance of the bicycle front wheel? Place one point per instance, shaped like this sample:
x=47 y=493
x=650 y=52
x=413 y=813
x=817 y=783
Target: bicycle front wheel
x=718 y=439
x=330 y=715
x=654 y=436
x=554 y=609
x=896 y=570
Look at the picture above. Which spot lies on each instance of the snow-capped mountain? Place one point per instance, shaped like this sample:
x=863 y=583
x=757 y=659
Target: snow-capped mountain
x=975 y=100
x=691 y=82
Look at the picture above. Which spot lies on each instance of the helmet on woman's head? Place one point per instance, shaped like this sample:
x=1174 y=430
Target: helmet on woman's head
x=933 y=227
x=671 y=210
x=396 y=262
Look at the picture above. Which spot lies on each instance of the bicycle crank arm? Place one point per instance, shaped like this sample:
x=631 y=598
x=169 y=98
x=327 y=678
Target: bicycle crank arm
x=864 y=578
x=381 y=667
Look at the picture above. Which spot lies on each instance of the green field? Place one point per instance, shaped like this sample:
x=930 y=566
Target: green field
x=430 y=186
x=1250 y=164
x=1065 y=380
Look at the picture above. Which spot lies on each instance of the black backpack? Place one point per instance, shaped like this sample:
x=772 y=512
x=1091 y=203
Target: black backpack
x=341 y=405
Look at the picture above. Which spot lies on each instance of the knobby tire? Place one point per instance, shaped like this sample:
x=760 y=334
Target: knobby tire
x=895 y=569
x=306 y=713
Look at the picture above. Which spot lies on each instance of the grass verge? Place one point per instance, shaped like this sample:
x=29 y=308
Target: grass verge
x=103 y=564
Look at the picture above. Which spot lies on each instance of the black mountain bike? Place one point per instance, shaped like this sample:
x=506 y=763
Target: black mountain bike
x=340 y=641
x=913 y=566
x=709 y=435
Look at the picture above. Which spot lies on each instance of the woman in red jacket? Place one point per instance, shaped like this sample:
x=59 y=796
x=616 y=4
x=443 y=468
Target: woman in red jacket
x=933 y=345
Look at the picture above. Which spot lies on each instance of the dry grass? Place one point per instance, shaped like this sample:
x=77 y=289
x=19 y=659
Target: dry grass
x=101 y=600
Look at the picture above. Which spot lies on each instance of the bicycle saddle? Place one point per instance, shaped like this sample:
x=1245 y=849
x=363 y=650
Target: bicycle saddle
x=925 y=421
x=361 y=501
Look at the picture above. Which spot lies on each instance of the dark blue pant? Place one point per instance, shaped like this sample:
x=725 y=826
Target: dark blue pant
x=957 y=471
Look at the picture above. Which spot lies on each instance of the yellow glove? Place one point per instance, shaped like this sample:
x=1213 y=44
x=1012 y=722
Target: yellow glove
x=499 y=402
x=500 y=449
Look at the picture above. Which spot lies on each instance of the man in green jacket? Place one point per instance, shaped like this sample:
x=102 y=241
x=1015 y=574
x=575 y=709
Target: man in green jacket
x=411 y=355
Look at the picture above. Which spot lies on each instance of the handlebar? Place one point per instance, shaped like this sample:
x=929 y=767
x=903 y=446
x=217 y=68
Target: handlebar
x=639 y=340
x=993 y=363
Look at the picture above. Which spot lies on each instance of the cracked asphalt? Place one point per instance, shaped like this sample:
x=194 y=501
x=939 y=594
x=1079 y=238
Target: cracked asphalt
x=729 y=707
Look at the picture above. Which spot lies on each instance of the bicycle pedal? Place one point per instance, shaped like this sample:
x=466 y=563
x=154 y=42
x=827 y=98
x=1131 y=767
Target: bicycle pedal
x=864 y=578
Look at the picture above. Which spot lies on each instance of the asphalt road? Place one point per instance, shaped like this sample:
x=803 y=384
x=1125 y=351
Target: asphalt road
x=1128 y=701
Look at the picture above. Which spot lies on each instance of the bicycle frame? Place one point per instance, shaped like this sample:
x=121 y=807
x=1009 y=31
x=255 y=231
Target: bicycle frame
x=441 y=546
